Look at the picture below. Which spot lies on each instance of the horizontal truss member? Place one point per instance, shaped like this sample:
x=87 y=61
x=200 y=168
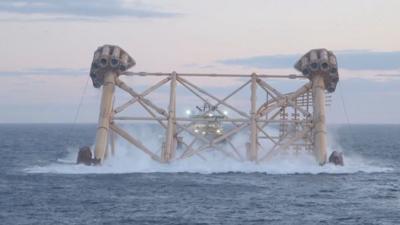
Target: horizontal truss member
x=290 y=76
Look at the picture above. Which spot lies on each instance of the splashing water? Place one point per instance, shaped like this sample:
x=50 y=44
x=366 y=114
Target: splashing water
x=128 y=160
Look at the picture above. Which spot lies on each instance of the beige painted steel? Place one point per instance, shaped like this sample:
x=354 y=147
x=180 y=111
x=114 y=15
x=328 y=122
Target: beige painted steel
x=112 y=142
x=105 y=115
x=254 y=119
x=170 y=142
x=290 y=76
x=319 y=130
x=134 y=141
x=253 y=123
x=140 y=98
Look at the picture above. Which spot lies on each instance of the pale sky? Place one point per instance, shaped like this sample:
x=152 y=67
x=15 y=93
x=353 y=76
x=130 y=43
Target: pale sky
x=47 y=48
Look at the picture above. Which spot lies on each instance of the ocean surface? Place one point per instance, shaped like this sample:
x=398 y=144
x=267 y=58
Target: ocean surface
x=40 y=184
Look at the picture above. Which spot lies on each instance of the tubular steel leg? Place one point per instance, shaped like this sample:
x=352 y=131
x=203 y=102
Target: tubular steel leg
x=170 y=142
x=105 y=115
x=319 y=131
x=253 y=124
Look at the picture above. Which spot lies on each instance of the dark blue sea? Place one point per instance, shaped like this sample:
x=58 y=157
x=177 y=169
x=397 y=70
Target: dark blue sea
x=40 y=185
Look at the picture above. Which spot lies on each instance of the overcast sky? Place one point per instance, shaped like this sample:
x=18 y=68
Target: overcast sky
x=47 y=47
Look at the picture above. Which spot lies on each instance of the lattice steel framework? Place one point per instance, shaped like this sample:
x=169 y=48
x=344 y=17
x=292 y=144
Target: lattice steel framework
x=298 y=116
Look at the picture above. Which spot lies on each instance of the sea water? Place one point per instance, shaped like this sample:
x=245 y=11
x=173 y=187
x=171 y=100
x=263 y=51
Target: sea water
x=41 y=184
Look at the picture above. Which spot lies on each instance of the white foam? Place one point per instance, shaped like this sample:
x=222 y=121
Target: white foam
x=131 y=160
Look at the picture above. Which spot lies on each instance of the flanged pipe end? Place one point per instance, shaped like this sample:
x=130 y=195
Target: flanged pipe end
x=306 y=72
x=324 y=66
x=114 y=62
x=109 y=58
x=314 y=66
x=320 y=62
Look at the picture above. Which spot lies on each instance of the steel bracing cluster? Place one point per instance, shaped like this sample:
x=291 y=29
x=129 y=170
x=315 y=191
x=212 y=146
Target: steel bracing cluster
x=290 y=113
x=272 y=122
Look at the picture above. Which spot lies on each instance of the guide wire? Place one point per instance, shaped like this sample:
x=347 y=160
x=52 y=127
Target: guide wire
x=344 y=106
x=72 y=130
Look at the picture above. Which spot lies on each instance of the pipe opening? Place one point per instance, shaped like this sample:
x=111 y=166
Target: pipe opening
x=114 y=62
x=306 y=72
x=103 y=62
x=314 y=66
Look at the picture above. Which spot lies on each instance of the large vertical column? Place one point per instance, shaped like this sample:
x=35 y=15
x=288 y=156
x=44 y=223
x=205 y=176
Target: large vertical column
x=170 y=142
x=112 y=142
x=319 y=130
x=105 y=115
x=253 y=123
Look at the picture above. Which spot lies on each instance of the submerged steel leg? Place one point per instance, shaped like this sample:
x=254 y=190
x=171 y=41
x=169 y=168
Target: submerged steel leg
x=105 y=115
x=319 y=130
x=170 y=142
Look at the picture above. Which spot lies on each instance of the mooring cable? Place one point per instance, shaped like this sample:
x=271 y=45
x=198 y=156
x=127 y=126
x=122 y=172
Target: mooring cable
x=344 y=106
x=69 y=142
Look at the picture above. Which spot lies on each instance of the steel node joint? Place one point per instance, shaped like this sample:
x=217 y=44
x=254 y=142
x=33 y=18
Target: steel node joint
x=102 y=127
x=320 y=62
x=109 y=58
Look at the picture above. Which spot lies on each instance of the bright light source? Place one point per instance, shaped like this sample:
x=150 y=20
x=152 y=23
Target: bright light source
x=188 y=112
x=218 y=131
x=210 y=114
x=203 y=132
x=225 y=112
x=196 y=131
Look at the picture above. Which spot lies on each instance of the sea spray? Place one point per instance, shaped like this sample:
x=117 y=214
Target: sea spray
x=129 y=159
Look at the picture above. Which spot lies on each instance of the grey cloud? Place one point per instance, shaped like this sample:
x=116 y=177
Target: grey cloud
x=388 y=75
x=46 y=71
x=349 y=59
x=52 y=19
x=73 y=9
x=359 y=85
